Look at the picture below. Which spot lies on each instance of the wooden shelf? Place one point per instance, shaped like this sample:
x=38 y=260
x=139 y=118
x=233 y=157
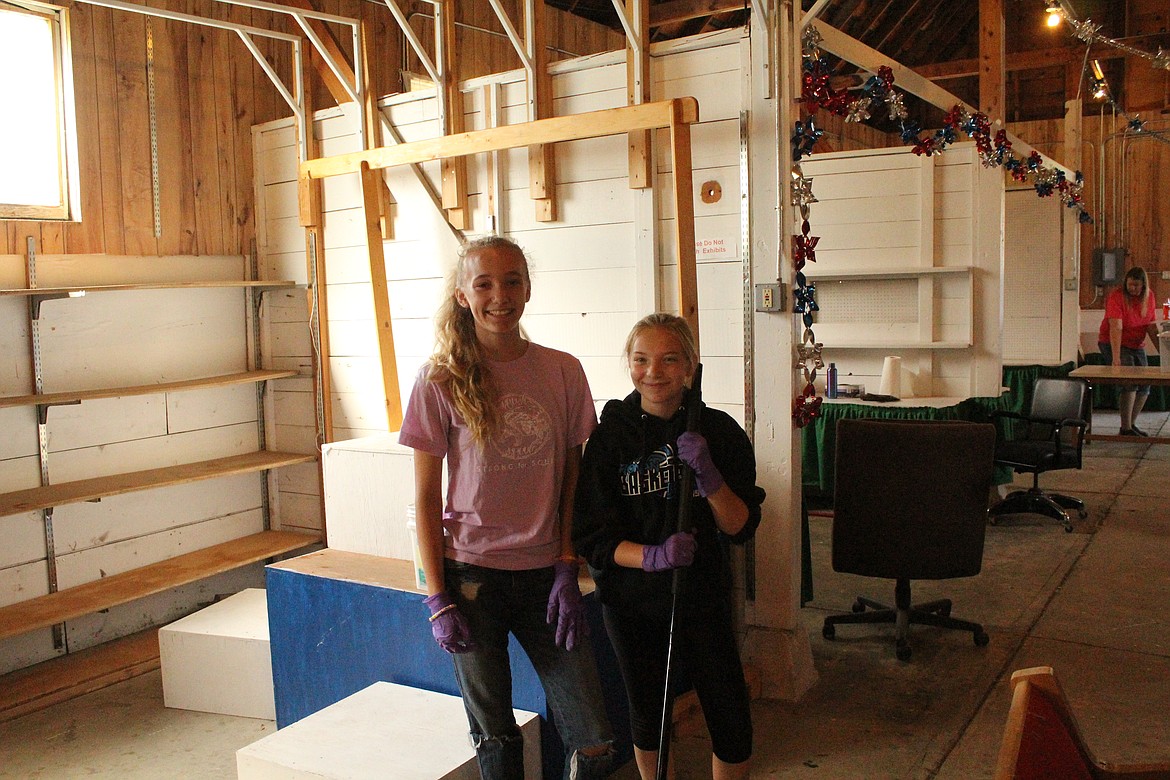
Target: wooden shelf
x=76 y=396
x=887 y=273
x=76 y=674
x=81 y=290
x=54 y=608
x=896 y=345
x=97 y=487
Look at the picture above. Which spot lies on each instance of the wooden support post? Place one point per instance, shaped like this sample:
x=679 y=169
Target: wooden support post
x=454 y=170
x=541 y=159
x=684 y=223
x=311 y=212
x=374 y=132
x=371 y=196
x=641 y=163
x=992 y=59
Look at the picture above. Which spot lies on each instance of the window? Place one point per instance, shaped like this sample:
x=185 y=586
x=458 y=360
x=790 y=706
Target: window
x=38 y=149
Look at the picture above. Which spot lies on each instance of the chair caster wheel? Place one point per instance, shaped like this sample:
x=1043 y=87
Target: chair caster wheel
x=858 y=606
x=981 y=639
x=828 y=632
x=1068 y=529
x=1083 y=513
x=992 y=520
x=902 y=651
x=945 y=610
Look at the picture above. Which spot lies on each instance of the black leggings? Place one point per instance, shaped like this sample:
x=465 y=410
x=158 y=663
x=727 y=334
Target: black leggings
x=706 y=657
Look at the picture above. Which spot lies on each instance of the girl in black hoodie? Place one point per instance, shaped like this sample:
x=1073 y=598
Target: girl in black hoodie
x=624 y=525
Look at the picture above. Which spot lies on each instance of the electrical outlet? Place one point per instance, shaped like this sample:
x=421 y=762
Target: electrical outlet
x=1166 y=276
x=770 y=297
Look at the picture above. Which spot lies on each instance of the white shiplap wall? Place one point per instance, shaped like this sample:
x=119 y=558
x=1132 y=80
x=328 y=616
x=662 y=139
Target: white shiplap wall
x=591 y=279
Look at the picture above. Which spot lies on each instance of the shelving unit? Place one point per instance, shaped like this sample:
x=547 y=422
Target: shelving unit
x=916 y=277
x=57 y=606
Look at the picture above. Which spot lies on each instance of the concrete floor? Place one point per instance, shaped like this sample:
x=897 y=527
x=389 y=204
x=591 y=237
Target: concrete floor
x=1091 y=604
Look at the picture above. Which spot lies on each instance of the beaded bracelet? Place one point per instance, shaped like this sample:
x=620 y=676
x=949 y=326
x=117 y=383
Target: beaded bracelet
x=442 y=611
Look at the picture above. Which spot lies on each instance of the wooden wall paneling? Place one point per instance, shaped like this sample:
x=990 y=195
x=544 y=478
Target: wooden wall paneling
x=225 y=47
x=129 y=36
x=239 y=116
x=174 y=120
x=209 y=212
x=86 y=236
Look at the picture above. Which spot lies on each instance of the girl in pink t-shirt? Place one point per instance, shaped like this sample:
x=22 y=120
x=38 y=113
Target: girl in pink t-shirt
x=1129 y=318
x=510 y=418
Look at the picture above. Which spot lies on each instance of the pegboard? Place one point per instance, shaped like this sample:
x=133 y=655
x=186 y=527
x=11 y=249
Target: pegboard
x=864 y=302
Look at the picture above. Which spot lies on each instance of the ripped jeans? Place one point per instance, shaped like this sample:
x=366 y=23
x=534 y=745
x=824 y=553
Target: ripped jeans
x=496 y=602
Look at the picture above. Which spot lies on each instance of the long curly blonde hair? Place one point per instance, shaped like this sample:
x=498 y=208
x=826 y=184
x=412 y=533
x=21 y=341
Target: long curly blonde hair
x=458 y=363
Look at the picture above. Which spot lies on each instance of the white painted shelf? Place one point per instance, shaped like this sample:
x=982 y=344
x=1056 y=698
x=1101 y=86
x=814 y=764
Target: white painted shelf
x=885 y=273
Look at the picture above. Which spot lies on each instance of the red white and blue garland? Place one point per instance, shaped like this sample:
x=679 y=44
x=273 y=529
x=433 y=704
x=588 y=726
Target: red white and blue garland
x=878 y=93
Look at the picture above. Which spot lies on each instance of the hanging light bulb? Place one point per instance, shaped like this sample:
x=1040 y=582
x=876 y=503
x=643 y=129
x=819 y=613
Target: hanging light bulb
x=1099 y=86
x=1054 y=14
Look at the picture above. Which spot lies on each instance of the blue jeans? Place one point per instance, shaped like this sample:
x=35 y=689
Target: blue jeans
x=1129 y=357
x=496 y=602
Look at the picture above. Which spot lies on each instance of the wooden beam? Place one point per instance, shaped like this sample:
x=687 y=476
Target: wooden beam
x=684 y=225
x=685 y=10
x=836 y=42
x=992 y=54
x=593 y=124
x=641 y=163
x=371 y=194
x=453 y=169
x=333 y=48
x=542 y=174
x=374 y=131
x=1040 y=58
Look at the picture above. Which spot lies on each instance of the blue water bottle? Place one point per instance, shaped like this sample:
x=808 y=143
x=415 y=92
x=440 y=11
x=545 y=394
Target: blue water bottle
x=831 y=381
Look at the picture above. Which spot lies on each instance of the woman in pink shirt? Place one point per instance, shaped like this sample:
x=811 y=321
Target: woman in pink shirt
x=1129 y=318
x=509 y=418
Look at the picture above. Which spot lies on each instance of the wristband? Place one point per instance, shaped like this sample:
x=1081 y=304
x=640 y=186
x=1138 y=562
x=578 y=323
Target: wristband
x=442 y=611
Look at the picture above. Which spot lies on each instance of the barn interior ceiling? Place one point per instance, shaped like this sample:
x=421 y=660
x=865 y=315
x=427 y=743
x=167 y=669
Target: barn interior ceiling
x=941 y=41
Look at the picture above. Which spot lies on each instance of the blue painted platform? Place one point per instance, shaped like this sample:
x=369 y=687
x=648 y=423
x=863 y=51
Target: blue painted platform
x=340 y=621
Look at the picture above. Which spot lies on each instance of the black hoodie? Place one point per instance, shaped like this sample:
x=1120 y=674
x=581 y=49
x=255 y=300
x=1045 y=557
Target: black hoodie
x=628 y=490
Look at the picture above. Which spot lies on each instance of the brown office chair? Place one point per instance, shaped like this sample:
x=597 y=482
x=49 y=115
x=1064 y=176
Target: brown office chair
x=1042 y=741
x=1051 y=436
x=910 y=504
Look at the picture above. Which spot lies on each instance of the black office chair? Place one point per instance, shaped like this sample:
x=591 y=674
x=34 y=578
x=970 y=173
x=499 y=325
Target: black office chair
x=1050 y=436
x=910 y=504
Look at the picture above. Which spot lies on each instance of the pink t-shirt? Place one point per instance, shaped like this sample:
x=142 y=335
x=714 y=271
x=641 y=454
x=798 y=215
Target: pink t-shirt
x=1134 y=319
x=503 y=502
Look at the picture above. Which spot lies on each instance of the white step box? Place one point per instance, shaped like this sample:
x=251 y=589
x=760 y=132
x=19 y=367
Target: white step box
x=218 y=659
x=383 y=731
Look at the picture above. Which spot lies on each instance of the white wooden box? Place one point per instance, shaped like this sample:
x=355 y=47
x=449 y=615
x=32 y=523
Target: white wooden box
x=369 y=483
x=383 y=731
x=218 y=659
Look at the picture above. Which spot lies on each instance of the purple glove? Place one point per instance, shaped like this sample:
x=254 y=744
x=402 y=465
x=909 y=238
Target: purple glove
x=448 y=624
x=564 y=605
x=692 y=449
x=677 y=551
